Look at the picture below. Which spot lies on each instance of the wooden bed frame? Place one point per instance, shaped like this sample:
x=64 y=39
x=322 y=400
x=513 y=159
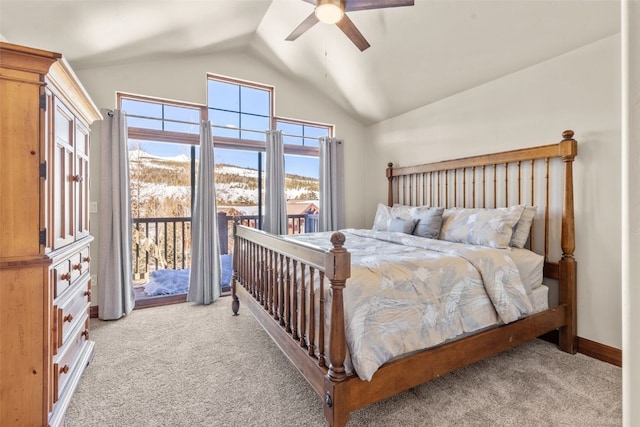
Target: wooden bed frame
x=265 y=268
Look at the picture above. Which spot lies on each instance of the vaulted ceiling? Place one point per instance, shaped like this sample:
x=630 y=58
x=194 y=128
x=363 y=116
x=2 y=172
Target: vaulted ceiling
x=418 y=54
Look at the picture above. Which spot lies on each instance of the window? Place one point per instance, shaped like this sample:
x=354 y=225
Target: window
x=158 y=115
x=239 y=110
x=163 y=151
x=302 y=166
x=303 y=134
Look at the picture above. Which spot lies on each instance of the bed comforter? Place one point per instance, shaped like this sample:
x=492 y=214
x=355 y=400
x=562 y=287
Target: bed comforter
x=407 y=293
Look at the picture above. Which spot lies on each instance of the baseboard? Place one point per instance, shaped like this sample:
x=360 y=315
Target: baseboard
x=600 y=351
x=591 y=348
x=160 y=300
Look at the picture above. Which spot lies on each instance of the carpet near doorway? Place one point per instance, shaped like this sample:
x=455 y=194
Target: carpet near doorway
x=191 y=365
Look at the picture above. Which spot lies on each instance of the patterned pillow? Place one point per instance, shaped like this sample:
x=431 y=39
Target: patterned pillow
x=480 y=226
x=523 y=227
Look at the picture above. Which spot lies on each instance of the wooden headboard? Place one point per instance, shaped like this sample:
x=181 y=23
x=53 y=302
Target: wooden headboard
x=539 y=176
x=525 y=176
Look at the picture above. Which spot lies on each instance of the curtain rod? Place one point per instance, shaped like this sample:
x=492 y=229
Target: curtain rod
x=213 y=126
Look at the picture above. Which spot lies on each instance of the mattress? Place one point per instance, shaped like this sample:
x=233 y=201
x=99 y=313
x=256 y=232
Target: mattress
x=539 y=298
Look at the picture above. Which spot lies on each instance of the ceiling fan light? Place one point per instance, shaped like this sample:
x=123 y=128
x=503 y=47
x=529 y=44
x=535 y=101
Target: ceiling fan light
x=329 y=11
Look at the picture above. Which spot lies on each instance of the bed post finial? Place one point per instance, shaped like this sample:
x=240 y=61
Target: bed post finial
x=390 y=180
x=337 y=270
x=567 y=134
x=337 y=240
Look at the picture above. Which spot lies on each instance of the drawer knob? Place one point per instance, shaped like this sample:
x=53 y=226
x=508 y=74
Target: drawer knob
x=87 y=293
x=77 y=267
x=64 y=369
x=78 y=178
x=68 y=318
x=86 y=259
x=65 y=276
x=85 y=334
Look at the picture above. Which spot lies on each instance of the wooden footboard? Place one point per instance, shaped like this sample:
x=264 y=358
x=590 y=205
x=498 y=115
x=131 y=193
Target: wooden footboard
x=270 y=272
x=278 y=280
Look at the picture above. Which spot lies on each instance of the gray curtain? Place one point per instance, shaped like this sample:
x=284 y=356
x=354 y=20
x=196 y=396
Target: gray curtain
x=331 y=216
x=115 y=293
x=204 y=274
x=275 y=203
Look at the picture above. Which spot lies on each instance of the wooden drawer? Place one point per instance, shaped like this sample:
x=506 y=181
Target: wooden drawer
x=66 y=272
x=61 y=277
x=69 y=310
x=80 y=263
x=67 y=362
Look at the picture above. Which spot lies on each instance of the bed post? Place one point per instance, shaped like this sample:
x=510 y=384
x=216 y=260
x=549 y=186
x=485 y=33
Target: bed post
x=568 y=340
x=235 y=304
x=337 y=270
x=390 y=179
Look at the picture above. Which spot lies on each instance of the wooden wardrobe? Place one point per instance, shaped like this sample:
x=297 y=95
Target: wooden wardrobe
x=45 y=285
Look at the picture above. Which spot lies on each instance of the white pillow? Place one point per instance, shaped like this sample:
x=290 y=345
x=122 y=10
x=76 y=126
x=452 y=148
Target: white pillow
x=480 y=226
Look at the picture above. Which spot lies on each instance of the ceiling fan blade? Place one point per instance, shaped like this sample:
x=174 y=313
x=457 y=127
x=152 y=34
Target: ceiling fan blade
x=351 y=5
x=349 y=28
x=309 y=22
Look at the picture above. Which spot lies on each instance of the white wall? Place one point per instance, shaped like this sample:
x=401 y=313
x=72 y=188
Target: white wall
x=185 y=80
x=578 y=91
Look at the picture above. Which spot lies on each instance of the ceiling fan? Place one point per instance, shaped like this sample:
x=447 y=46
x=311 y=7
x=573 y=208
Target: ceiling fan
x=333 y=12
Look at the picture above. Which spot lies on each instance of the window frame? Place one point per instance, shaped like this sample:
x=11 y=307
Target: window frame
x=159 y=135
x=301 y=150
x=241 y=143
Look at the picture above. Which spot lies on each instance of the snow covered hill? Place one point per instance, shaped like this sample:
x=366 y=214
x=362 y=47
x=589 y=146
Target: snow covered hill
x=157 y=178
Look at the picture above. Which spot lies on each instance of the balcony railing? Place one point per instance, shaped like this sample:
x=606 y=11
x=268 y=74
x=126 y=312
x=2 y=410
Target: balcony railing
x=165 y=243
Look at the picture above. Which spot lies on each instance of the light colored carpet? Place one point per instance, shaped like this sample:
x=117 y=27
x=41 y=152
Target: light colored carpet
x=189 y=365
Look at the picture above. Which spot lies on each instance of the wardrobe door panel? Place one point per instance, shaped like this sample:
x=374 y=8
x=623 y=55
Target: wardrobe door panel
x=81 y=181
x=63 y=220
